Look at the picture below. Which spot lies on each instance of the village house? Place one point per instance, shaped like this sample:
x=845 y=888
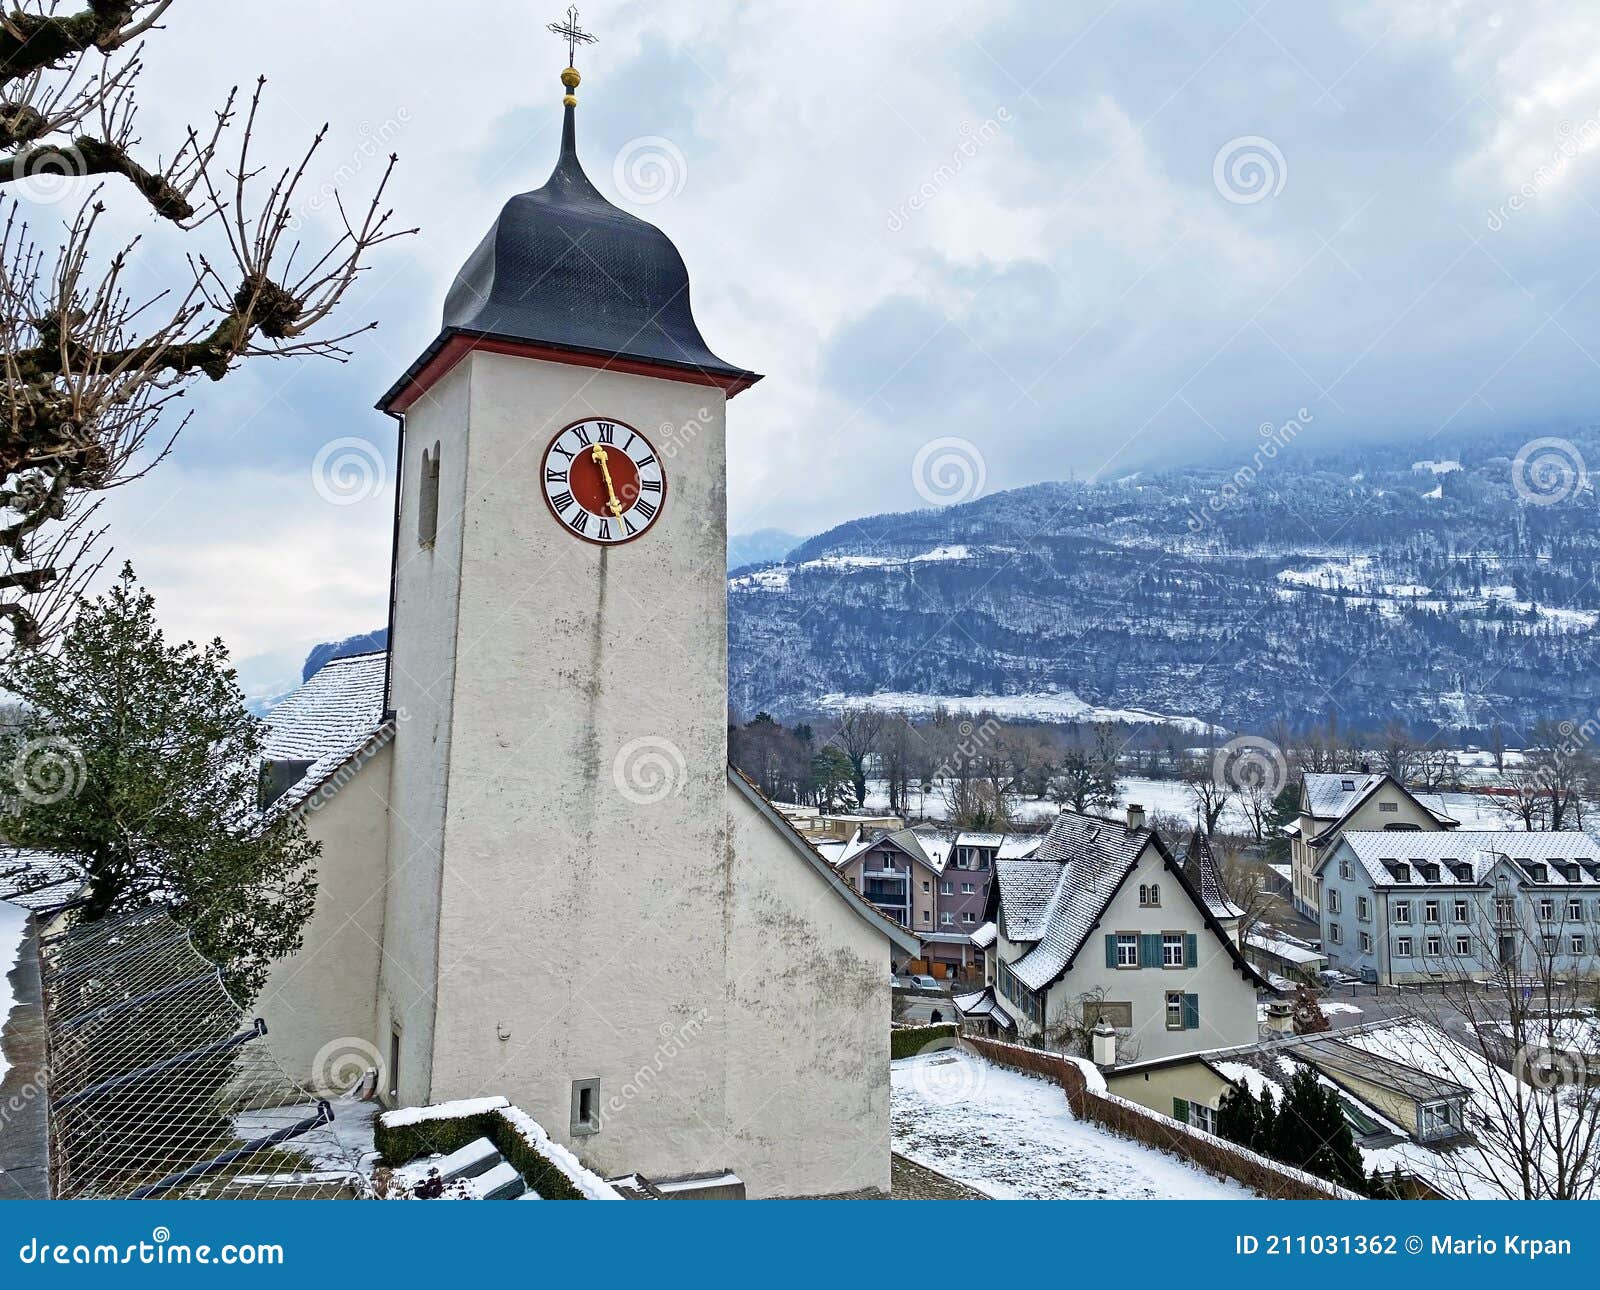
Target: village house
x=1432 y=906
x=1401 y=1115
x=935 y=884
x=1332 y=803
x=1102 y=923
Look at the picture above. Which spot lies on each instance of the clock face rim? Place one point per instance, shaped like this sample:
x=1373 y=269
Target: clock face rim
x=561 y=523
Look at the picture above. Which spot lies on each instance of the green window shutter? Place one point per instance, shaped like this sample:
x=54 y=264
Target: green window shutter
x=1150 y=949
x=1180 y=1109
x=1111 y=951
x=1191 y=1012
x=1191 y=950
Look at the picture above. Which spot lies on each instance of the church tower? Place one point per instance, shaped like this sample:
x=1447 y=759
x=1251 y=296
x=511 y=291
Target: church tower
x=557 y=912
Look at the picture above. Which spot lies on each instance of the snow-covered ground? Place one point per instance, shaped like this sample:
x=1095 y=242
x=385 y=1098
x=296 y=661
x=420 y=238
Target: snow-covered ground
x=1050 y=705
x=13 y=924
x=1014 y=1137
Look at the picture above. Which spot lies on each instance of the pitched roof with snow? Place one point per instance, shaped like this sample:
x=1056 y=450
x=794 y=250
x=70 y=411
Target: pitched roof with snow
x=1379 y=852
x=337 y=708
x=1055 y=899
x=1334 y=797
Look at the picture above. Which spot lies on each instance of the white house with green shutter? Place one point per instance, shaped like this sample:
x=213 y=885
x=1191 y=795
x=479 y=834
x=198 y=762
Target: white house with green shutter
x=1102 y=922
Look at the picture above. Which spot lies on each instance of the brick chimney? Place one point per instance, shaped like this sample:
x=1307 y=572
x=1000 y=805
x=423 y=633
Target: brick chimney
x=1135 y=816
x=1280 y=1018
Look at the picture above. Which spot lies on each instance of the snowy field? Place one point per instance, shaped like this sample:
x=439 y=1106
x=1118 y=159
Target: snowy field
x=13 y=923
x=1172 y=797
x=1014 y=1137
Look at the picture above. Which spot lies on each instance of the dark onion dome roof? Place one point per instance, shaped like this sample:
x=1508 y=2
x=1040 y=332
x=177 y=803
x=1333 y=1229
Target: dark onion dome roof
x=564 y=268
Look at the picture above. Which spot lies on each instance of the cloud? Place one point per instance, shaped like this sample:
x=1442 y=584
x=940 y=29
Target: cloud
x=925 y=220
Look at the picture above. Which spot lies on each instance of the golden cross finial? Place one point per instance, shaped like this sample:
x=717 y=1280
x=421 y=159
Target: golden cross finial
x=573 y=34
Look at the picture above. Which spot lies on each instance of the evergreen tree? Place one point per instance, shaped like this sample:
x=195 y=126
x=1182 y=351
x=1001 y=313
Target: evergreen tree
x=1311 y=1133
x=138 y=759
x=1238 y=1118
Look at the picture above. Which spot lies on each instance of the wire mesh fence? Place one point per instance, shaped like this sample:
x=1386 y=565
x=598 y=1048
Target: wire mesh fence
x=158 y=1084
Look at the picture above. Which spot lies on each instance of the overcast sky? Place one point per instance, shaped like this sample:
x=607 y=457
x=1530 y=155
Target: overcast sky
x=1083 y=238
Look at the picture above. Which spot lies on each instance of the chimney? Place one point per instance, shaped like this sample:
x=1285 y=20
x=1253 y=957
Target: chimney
x=1280 y=1018
x=1135 y=816
x=1105 y=1044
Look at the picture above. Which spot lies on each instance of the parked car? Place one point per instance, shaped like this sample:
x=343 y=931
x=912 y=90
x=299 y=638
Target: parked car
x=925 y=982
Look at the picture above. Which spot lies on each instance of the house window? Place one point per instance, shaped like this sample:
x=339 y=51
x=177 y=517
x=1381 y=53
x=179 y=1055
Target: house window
x=1334 y=901
x=428 y=498
x=1344 y=868
x=1548 y=942
x=1172 y=949
x=394 y=1062
x=1348 y=785
x=1464 y=946
x=1150 y=894
x=1463 y=872
x=1538 y=872
x=1402 y=947
x=967 y=916
x=1437 y=1119
x=1458 y=911
x=585 y=1106
x=926 y=917
x=1363 y=908
x=1365 y=942
x=1433 y=946
x=1334 y=934
x=1388 y=807
x=945 y=888
x=1400 y=912
x=1127 y=950
x=1575 y=911
x=1198 y=1114
x=1183 y=1010
x=967 y=889
x=1547 y=909
x=1579 y=945
x=947 y=919
x=1505 y=910
x=1402 y=872
x=1430 y=911
x=924 y=884
x=1119 y=1015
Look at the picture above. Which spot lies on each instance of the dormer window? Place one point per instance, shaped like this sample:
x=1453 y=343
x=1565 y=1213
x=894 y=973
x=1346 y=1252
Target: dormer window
x=1537 y=872
x=1402 y=871
x=1574 y=873
x=1463 y=872
x=1430 y=872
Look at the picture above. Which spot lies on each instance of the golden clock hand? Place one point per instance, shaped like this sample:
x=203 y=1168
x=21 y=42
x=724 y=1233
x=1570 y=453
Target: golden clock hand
x=599 y=454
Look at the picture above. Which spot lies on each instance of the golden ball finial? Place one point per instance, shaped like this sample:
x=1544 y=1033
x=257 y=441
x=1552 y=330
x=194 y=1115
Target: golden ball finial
x=570 y=78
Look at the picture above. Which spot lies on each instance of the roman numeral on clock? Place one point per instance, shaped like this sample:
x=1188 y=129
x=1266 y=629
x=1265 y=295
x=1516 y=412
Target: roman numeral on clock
x=560 y=501
x=554 y=476
x=579 y=520
x=647 y=509
x=607 y=431
x=650 y=485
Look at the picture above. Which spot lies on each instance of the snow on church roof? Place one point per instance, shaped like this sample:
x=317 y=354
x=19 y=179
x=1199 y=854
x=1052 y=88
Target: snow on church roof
x=333 y=712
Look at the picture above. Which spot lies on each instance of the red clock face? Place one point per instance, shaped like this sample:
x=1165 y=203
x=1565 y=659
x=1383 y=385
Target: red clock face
x=603 y=481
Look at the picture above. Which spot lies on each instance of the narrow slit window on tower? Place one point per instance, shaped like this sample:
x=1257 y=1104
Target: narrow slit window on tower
x=585 y=1106
x=428 y=498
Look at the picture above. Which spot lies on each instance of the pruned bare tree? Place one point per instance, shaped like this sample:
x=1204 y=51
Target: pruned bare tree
x=92 y=364
x=1524 y=1041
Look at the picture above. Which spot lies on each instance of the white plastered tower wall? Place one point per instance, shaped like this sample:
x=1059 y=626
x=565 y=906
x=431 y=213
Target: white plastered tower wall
x=422 y=666
x=583 y=917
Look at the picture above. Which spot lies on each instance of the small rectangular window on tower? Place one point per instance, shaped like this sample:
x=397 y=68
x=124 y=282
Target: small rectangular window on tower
x=428 y=498
x=585 y=1106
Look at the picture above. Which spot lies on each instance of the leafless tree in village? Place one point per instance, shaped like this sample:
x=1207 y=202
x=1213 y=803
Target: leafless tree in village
x=92 y=363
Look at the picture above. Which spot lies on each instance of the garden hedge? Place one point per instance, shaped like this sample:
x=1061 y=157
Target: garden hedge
x=908 y=1041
